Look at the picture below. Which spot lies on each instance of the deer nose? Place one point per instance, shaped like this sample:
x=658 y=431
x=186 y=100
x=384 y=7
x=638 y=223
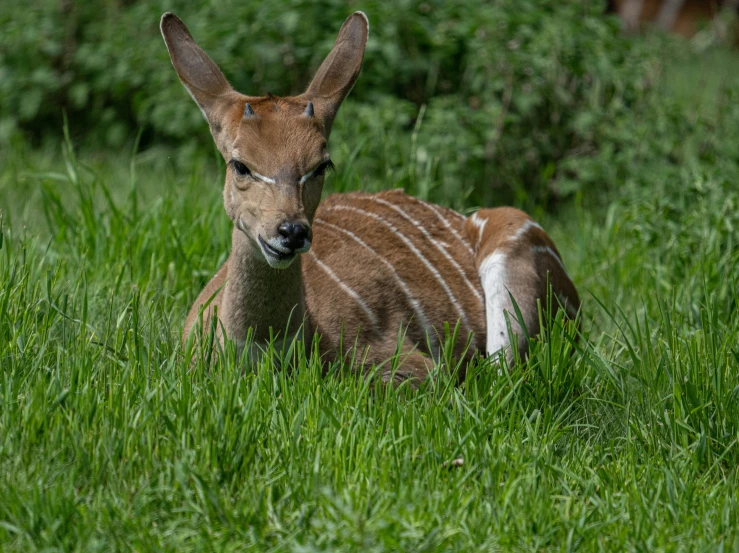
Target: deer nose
x=294 y=234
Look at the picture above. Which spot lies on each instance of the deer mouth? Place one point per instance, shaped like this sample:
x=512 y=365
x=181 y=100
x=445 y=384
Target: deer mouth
x=277 y=258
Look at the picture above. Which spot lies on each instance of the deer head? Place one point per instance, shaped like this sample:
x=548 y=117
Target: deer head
x=275 y=148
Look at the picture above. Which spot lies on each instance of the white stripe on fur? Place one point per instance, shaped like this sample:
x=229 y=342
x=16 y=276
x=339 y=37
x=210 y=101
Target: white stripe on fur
x=305 y=177
x=479 y=224
x=349 y=291
x=416 y=252
x=444 y=221
x=417 y=308
x=523 y=229
x=268 y=180
x=430 y=238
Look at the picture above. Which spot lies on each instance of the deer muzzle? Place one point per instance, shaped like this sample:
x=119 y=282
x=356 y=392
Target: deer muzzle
x=293 y=238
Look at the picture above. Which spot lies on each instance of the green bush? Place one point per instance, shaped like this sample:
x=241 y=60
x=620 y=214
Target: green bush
x=522 y=101
x=510 y=89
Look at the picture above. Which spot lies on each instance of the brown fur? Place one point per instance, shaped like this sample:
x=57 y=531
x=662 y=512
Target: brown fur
x=380 y=287
x=531 y=268
x=385 y=272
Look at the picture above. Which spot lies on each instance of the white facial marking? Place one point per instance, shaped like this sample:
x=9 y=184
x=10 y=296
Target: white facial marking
x=275 y=262
x=275 y=243
x=418 y=254
x=262 y=178
x=415 y=304
x=356 y=297
x=307 y=176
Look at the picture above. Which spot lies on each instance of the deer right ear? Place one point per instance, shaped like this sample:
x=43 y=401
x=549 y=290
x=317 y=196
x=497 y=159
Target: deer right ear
x=338 y=72
x=201 y=77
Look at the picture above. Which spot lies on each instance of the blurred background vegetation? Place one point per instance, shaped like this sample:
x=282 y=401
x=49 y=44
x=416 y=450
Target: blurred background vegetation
x=467 y=103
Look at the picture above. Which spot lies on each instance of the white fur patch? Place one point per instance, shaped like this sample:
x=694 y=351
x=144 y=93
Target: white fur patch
x=493 y=277
x=308 y=175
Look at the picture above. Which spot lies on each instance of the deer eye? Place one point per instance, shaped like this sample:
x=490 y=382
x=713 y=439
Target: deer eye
x=241 y=169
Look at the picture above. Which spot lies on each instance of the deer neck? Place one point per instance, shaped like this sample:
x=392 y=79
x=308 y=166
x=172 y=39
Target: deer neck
x=260 y=297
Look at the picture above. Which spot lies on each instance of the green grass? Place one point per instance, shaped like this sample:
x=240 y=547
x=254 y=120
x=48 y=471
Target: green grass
x=109 y=441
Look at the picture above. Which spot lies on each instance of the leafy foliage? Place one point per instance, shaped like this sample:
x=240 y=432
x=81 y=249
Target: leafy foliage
x=511 y=97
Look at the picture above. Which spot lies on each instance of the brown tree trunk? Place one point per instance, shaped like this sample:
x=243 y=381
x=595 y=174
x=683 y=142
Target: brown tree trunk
x=630 y=14
x=668 y=13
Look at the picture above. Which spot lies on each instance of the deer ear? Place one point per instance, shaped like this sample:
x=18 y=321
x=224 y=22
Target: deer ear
x=201 y=77
x=338 y=72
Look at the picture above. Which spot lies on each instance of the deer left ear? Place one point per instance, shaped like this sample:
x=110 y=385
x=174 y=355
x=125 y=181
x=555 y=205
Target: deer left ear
x=339 y=71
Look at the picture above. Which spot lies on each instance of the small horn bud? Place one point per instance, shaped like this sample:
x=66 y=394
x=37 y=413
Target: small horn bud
x=308 y=110
x=248 y=112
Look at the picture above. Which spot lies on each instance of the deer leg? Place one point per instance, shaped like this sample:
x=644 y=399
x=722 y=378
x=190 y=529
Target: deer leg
x=517 y=262
x=395 y=367
x=504 y=282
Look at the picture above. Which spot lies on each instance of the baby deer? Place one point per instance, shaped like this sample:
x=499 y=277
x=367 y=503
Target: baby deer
x=358 y=269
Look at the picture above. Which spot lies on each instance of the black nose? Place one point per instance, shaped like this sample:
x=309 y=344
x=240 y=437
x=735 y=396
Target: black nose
x=293 y=234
